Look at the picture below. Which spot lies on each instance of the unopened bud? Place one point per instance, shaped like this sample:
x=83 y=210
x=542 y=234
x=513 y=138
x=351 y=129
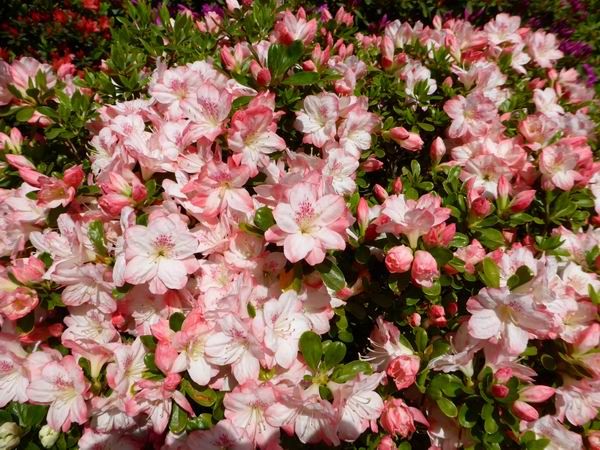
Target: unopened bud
x=48 y=436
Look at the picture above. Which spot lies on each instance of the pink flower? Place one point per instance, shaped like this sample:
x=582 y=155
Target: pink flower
x=15 y=301
x=295 y=28
x=472 y=254
x=471 y=116
x=578 y=401
x=403 y=369
x=219 y=187
x=543 y=48
x=161 y=253
x=308 y=224
x=252 y=137
x=14 y=376
x=508 y=318
x=411 y=218
x=424 y=269
x=61 y=385
x=385 y=345
x=305 y=414
x=550 y=428
x=399 y=259
x=224 y=435
x=317 y=120
x=358 y=404
x=245 y=407
x=237 y=346
x=398 y=419
x=284 y=324
x=123 y=189
x=28 y=270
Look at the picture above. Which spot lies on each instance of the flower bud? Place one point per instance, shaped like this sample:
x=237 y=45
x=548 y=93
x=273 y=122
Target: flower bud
x=406 y=139
x=73 y=176
x=414 y=320
x=525 y=411
x=362 y=214
x=481 y=207
x=10 y=435
x=380 y=193
x=500 y=391
x=399 y=259
x=522 y=200
x=593 y=439
x=536 y=394
x=437 y=150
x=437 y=316
x=441 y=235
x=424 y=269
x=387 y=443
x=372 y=164
x=452 y=308
x=397 y=186
x=503 y=375
x=503 y=188
x=48 y=436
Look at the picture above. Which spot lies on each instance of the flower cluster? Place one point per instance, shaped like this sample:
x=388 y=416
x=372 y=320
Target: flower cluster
x=302 y=234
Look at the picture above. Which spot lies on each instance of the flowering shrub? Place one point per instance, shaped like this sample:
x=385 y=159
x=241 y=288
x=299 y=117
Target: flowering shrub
x=261 y=228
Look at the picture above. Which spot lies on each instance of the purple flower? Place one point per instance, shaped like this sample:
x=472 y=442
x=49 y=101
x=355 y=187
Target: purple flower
x=576 y=49
x=590 y=75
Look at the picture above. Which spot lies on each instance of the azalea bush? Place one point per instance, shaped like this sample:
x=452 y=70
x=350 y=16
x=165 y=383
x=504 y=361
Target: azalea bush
x=260 y=226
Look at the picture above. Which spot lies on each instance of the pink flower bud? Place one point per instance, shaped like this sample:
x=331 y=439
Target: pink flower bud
x=362 y=213
x=481 y=207
x=74 y=176
x=397 y=186
x=424 y=269
x=406 y=139
x=387 y=52
x=227 y=58
x=437 y=150
x=536 y=394
x=525 y=411
x=452 y=308
x=403 y=370
x=380 y=193
x=414 y=320
x=593 y=439
x=387 y=443
x=396 y=418
x=260 y=74
x=309 y=66
x=503 y=187
x=399 y=259
x=448 y=82
x=371 y=164
x=500 y=391
x=503 y=375
x=28 y=270
x=522 y=200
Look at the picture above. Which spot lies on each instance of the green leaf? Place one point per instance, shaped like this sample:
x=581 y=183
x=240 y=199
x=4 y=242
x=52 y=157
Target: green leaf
x=263 y=218
x=206 y=397
x=201 y=422
x=331 y=275
x=302 y=79
x=467 y=418
x=491 y=238
x=420 y=338
x=521 y=276
x=447 y=407
x=179 y=419
x=491 y=273
x=29 y=415
x=538 y=444
x=25 y=113
x=149 y=342
x=311 y=349
x=333 y=353
x=341 y=374
x=96 y=235
x=176 y=320
x=25 y=324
